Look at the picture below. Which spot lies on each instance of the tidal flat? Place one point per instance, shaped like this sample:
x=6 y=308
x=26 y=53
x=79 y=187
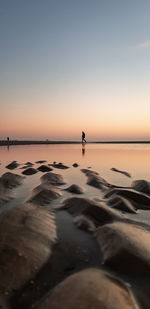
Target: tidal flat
x=75 y=226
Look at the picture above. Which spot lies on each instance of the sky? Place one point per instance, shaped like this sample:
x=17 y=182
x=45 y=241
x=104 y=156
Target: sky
x=68 y=66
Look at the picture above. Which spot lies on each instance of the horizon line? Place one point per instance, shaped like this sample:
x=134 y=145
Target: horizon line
x=38 y=142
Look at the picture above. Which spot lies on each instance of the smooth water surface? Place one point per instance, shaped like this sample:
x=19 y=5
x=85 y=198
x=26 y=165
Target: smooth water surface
x=131 y=158
x=99 y=157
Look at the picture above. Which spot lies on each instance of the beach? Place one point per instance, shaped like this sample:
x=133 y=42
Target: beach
x=75 y=220
x=74 y=154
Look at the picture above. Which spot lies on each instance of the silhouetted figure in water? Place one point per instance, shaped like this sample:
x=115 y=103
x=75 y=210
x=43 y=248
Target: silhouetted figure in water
x=8 y=140
x=83 y=137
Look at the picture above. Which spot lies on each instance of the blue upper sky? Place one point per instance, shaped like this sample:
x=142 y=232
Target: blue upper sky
x=60 y=56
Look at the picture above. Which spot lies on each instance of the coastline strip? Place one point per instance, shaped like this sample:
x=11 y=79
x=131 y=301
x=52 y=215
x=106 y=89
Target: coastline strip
x=26 y=142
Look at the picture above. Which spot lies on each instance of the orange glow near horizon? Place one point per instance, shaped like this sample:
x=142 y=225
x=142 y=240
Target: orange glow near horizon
x=50 y=132
x=65 y=121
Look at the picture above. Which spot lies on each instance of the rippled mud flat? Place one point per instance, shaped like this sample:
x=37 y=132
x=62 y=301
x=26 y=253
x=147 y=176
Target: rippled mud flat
x=66 y=244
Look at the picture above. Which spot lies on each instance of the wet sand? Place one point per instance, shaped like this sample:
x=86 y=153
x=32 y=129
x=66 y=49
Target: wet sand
x=118 y=242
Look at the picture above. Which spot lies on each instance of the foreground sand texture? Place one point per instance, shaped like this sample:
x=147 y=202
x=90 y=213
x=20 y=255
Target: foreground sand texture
x=44 y=194
x=125 y=247
x=8 y=181
x=64 y=249
x=26 y=243
x=91 y=288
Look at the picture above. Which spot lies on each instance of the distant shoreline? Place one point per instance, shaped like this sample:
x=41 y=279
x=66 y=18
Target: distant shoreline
x=15 y=143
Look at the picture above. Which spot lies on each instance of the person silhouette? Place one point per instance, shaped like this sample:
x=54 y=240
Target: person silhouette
x=83 y=137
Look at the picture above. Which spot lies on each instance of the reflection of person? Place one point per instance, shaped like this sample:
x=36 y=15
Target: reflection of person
x=83 y=137
x=83 y=149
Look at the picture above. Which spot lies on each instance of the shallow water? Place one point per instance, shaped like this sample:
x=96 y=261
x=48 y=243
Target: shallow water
x=131 y=158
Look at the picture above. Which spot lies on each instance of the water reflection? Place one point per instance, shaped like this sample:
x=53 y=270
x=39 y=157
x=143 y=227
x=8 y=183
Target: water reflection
x=131 y=158
x=83 y=149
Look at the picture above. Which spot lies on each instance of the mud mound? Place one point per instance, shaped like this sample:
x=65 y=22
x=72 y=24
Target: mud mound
x=44 y=168
x=90 y=288
x=75 y=189
x=125 y=248
x=27 y=235
x=98 y=212
x=12 y=165
x=44 y=194
x=53 y=179
x=29 y=171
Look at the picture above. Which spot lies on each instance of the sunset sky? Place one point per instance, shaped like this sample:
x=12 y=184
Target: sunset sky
x=73 y=65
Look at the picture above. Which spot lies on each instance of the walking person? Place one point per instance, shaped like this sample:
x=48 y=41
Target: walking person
x=83 y=137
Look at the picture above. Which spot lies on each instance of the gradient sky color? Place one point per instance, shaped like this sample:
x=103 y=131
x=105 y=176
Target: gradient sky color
x=73 y=65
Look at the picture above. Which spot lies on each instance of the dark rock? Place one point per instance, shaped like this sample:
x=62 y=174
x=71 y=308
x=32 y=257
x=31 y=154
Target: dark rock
x=44 y=168
x=27 y=235
x=12 y=165
x=53 y=179
x=125 y=248
x=29 y=171
x=119 y=171
x=91 y=288
x=75 y=189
